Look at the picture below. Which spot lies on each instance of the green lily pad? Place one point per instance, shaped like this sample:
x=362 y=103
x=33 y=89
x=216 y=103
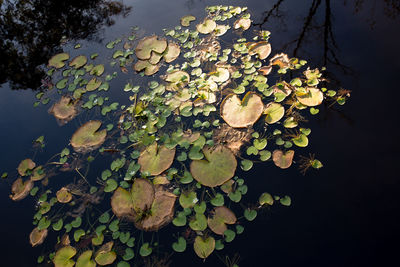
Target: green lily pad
x=229 y=235
x=180 y=219
x=274 y=112
x=148 y=44
x=93 y=84
x=111 y=185
x=129 y=254
x=185 y=21
x=78 y=62
x=250 y=215
x=85 y=260
x=57 y=61
x=188 y=199
x=156 y=159
x=246 y=164
x=260 y=144
x=242 y=113
x=63 y=257
x=180 y=245
x=198 y=222
x=266 y=198
x=206 y=27
x=282 y=159
x=97 y=70
x=290 y=123
x=145 y=250
x=301 y=140
x=218 y=166
x=220 y=217
x=87 y=137
x=177 y=80
x=285 y=201
x=218 y=200
x=204 y=246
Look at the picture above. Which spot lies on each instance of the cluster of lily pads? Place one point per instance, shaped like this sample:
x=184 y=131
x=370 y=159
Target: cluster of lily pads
x=177 y=146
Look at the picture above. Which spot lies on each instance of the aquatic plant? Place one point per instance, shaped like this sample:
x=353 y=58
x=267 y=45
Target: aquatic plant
x=175 y=150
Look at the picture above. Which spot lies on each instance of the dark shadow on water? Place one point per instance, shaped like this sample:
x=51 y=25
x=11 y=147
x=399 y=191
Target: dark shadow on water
x=31 y=32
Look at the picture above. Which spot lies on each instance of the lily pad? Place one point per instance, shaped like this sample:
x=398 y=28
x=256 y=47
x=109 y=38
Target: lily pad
x=172 y=52
x=57 y=61
x=188 y=199
x=266 y=199
x=262 y=49
x=104 y=255
x=63 y=257
x=312 y=97
x=282 y=159
x=64 y=110
x=180 y=245
x=20 y=189
x=206 y=27
x=274 y=112
x=38 y=173
x=149 y=69
x=78 y=62
x=161 y=212
x=218 y=166
x=142 y=194
x=148 y=44
x=185 y=21
x=25 y=165
x=220 y=217
x=242 y=23
x=241 y=113
x=204 y=246
x=220 y=75
x=156 y=159
x=121 y=204
x=63 y=195
x=87 y=137
x=37 y=236
x=97 y=70
x=93 y=84
x=177 y=80
x=85 y=260
x=301 y=140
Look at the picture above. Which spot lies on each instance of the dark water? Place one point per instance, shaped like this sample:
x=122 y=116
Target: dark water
x=346 y=214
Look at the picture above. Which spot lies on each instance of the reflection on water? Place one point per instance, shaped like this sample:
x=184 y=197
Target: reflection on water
x=31 y=31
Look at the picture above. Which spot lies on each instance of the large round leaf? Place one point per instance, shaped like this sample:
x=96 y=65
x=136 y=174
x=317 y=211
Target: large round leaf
x=57 y=61
x=262 y=49
x=142 y=194
x=78 y=62
x=25 y=165
x=148 y=44
x=206 y=27
x=149 y=69
x=121 y=204
x=204 y=246
x=64 y=110
x=87 y=137
x=37 y=236
x=156 y=159
x=242 y=113
x=20 y=189
x=218 y=166
x=172 y=52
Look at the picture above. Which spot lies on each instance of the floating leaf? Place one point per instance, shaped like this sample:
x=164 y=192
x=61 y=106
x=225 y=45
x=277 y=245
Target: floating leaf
x=301 y=140
x=220 y=217
x=57 y=61
x=85 y=260
x=156 y=159
x=185 y=21
x=285 y=201
x=104 y=255
x=145 y=250
x=274 y=112
x=188 y=199
x=311 y=97
x=206 y=27
x=63 y=257
x=148 y=44
x=20 y=189
x=180 y=245
x=250 y=215
x=218 y=166
x=93 y=84
x=204 y=246
x=78 y=62
x=266 y=198
x=242 y=23
x=262 y=49
x=282 y=159
x=149 y=69
x=97 y=70
x=241 y=113
x=37 y=236
x=87 y=137
x=25 y=165
x=172 y=52
x=63 y=195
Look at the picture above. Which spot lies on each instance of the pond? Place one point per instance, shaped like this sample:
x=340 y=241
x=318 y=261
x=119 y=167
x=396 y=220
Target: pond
x=162 y=133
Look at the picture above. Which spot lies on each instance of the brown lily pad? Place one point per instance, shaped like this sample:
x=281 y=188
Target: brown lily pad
x=218 y=166
x=63 y=195
x=38 y=173
x=282 y=159
x=220 y=217
x=64 y=110
x=177 y=80
x=312 y=97
x=172 y=52
x=142 y=194
x=156 y=159
x=121 y=204
x=148 y=44
x=37 y=236
x=87 y=137
x=262 y=49
x=149 y=69
x=105 y=256
x=242 y=23
x=25 y=165
x=20 y=189
x=241 y=113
